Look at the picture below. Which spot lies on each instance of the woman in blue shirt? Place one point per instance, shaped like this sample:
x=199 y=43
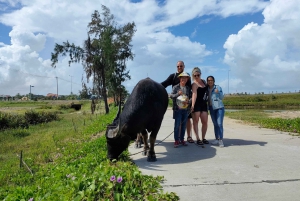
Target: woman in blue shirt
x=216 y=109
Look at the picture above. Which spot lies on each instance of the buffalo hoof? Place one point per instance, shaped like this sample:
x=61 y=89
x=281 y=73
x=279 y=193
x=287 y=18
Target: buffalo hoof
x=144 y=153
x=151 y=158
x=139 y=145
x=136 y=145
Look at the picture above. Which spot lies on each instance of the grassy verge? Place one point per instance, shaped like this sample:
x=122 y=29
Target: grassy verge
x=262 y=119
x=263 y=101
x=68 y=161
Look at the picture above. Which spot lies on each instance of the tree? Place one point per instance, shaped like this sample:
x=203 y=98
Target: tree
x=18 y=96
x=104 y=53
x=84 y=93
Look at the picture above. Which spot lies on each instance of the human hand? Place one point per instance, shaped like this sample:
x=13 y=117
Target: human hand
x=216 y=90
x=180 y=92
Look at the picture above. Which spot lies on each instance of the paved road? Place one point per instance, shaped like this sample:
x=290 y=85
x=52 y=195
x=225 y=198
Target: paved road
x=255 y=164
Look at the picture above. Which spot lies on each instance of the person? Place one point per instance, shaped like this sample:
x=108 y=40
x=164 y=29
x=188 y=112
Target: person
x=199 y=105
x=181 y=95
x=216 y=109
x=173 y=80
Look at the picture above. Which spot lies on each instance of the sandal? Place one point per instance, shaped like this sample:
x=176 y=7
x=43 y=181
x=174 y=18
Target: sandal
x=200 y=143
x=190 y=140
x=205 y=141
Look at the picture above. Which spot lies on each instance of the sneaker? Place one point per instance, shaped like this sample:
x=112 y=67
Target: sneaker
x=176 y=144
x=221 y=144
x=183 y=143
x=215 y=142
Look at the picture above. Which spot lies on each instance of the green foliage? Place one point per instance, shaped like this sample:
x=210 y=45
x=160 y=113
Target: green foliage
x=63 y=107
x=263 y=101
x=104 y=53
x=20 y=133
x=262 y=119
x=82 y=170
x=8 y=120
x=33 y=117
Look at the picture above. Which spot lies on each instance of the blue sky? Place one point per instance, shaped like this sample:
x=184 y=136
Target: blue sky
x=254 y=43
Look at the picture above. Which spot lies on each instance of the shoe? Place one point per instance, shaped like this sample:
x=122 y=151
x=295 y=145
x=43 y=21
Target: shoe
x=183 y=143
x=199 y=143
x=205 y=141
x=221 y=144
x=176 y=144
x=190 y=140
x=215 y=142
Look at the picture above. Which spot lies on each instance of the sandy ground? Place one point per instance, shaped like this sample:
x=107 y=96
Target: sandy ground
x=285 y=114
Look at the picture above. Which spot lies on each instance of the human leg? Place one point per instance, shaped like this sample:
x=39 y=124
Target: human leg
x=177 y=117
x=213 y=115
x=204 y=118
x=196 y=116
x=188 y=127
x=184 y=119
x=220 y=118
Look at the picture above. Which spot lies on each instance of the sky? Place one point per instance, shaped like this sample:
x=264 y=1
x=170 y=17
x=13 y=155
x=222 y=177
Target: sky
x=247 y=45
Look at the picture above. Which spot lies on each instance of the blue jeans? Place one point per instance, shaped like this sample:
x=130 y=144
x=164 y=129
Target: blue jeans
x=217 y=117
x=180 y=117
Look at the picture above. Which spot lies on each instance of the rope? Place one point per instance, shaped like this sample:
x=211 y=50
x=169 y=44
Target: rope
x=163 y=140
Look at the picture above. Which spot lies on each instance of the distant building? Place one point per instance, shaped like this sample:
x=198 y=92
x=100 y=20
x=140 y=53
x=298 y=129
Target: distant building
x=51 y=96
x=5 y=97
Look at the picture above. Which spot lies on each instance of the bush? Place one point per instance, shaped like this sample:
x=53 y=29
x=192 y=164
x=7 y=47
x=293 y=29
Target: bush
x=12 y=121
x=33 y=117
x=8 y=121
x=63 y=107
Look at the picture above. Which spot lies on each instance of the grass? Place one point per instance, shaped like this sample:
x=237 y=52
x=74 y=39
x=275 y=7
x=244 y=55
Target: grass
x=263 y=101
x=68 y=161
x=262 y=119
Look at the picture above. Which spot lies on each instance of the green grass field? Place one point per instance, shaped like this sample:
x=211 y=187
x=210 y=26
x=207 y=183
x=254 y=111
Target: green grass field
x=66 y=160
x=263 y=101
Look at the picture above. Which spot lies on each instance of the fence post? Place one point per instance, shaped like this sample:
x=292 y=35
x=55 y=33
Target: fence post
x=21 y=158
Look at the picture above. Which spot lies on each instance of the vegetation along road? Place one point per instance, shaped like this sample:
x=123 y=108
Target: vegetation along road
x=64 y=157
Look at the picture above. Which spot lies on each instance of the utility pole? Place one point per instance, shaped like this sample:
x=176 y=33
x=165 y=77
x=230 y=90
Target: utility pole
x=30 y=91
x=228 y=82
x=71 y=84
x=56 y=88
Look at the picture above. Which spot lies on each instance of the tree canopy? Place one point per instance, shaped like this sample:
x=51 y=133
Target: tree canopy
x=103 y=54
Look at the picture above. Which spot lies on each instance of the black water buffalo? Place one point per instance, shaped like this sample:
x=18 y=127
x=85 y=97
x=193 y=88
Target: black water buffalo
x=143 y=111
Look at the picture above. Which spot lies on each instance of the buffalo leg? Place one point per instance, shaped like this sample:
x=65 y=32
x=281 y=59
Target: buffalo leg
x=138 y=143
x=151 y=153
x=145 y=140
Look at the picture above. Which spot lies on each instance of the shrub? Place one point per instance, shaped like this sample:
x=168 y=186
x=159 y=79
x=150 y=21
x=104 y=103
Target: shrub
x=33 y=117
x=8 y=120
x=63 y=107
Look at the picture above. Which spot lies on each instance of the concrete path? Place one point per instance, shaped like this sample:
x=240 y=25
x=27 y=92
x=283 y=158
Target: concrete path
x=255 y=164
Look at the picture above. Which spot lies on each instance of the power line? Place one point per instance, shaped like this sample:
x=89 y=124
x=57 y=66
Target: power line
x=42 y=76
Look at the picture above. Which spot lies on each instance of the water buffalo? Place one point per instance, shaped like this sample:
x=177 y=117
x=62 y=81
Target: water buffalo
x=143 y=111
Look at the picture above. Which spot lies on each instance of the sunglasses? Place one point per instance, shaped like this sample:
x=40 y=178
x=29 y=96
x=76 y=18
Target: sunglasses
x=179 y=66
x=198 y=75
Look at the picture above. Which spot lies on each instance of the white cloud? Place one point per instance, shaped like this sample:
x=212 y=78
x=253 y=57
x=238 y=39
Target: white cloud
x=155 y=48
x=267 y=56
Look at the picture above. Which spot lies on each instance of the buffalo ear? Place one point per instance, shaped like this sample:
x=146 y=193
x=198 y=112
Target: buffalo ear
x=112 y=132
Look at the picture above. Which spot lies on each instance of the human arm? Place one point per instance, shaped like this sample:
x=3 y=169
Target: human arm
x=218 y=90
x=175 y=92
x=168 y=81
x=194 y=95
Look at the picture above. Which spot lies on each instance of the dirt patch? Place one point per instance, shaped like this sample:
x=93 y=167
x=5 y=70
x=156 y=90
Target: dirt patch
x=285 y=114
